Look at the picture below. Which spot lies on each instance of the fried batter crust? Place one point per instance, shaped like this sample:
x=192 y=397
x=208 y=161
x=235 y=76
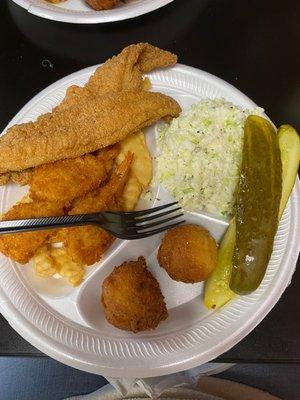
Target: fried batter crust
x=65 y=180
x=93 y=125
x=87 y=244
x=22 y=246
x=121 y=72
x=188 y=253
x=132 y=298
x=99 y=5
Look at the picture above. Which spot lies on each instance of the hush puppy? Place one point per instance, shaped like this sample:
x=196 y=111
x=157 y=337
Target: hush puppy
x=188 y=253
x=132 y=299
x=102 y=4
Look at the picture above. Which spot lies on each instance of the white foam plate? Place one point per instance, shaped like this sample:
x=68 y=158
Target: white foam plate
x=78 y=12
x=68 y=323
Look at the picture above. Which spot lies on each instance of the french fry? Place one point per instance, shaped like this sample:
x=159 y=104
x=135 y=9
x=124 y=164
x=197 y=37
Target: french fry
x=55 y=1
x=147 y=84
x=43 y=263
x=141 y=169
x=66 y=267
x=131 y=193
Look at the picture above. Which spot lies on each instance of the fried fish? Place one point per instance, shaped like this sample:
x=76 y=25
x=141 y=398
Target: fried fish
x=86 y=244
x=82 y=129
x=22 y=246
x=120 y=73
x=65 y=180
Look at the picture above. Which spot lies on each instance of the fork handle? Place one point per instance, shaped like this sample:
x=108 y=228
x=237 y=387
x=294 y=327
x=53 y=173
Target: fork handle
x=63 y=221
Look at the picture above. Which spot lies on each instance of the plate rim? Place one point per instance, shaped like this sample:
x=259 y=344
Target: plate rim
x=58 y=351
x=92 y=17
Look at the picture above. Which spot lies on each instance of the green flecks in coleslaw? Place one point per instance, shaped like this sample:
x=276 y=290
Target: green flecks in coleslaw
x=200 y=155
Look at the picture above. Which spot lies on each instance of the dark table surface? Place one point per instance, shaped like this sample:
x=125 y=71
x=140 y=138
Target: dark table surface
x=253 y=44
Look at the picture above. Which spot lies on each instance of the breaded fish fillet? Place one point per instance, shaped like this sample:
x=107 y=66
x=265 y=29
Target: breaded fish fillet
x=122 y=72
x=119 y=73
x=87 y=244
x=105 y=196
x=19 y=177
x=65 y=180
x=83 y=129
x=22 y=246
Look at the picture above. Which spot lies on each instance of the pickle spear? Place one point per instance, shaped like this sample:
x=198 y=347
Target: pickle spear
x=217 y=291
x=289 y=144
x=258 y=203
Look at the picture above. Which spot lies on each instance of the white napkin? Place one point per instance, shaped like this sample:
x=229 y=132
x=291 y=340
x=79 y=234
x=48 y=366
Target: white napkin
x=207 y=388
x=107 y=392
x=155 y=387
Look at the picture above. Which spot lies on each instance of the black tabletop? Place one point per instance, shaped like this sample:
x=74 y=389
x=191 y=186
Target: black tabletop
x=252 y=44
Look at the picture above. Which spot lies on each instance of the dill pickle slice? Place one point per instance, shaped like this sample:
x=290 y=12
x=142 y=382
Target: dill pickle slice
x=217 y=291
x=289 y=144
x=258 y=201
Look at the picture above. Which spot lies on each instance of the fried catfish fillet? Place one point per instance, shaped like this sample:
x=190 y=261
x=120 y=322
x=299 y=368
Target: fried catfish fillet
x=22 y=246
x=87 y=244
x=82 y=129
x=121 y=72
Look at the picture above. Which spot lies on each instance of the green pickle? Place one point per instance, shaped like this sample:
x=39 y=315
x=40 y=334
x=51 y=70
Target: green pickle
x=289 y=144
x=217 y=291
x=258 y=202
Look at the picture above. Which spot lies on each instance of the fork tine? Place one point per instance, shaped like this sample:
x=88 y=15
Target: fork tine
x=141 y=228
x=137 y=221
x=135 y=214
x=151 y=232
x=159 y=215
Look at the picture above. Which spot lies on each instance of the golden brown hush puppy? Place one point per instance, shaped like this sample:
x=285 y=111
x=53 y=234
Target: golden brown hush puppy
x=102 y=4
x=132 y=299
x=188 y=253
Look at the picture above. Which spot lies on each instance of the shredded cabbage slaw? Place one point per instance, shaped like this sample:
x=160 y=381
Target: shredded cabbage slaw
x=200 y=154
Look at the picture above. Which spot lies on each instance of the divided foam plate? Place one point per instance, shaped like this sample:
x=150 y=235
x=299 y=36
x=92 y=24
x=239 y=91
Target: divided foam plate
x=78 y=12
x=68 y=323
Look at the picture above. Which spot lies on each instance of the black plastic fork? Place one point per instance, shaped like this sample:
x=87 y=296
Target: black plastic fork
x=124 y=225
